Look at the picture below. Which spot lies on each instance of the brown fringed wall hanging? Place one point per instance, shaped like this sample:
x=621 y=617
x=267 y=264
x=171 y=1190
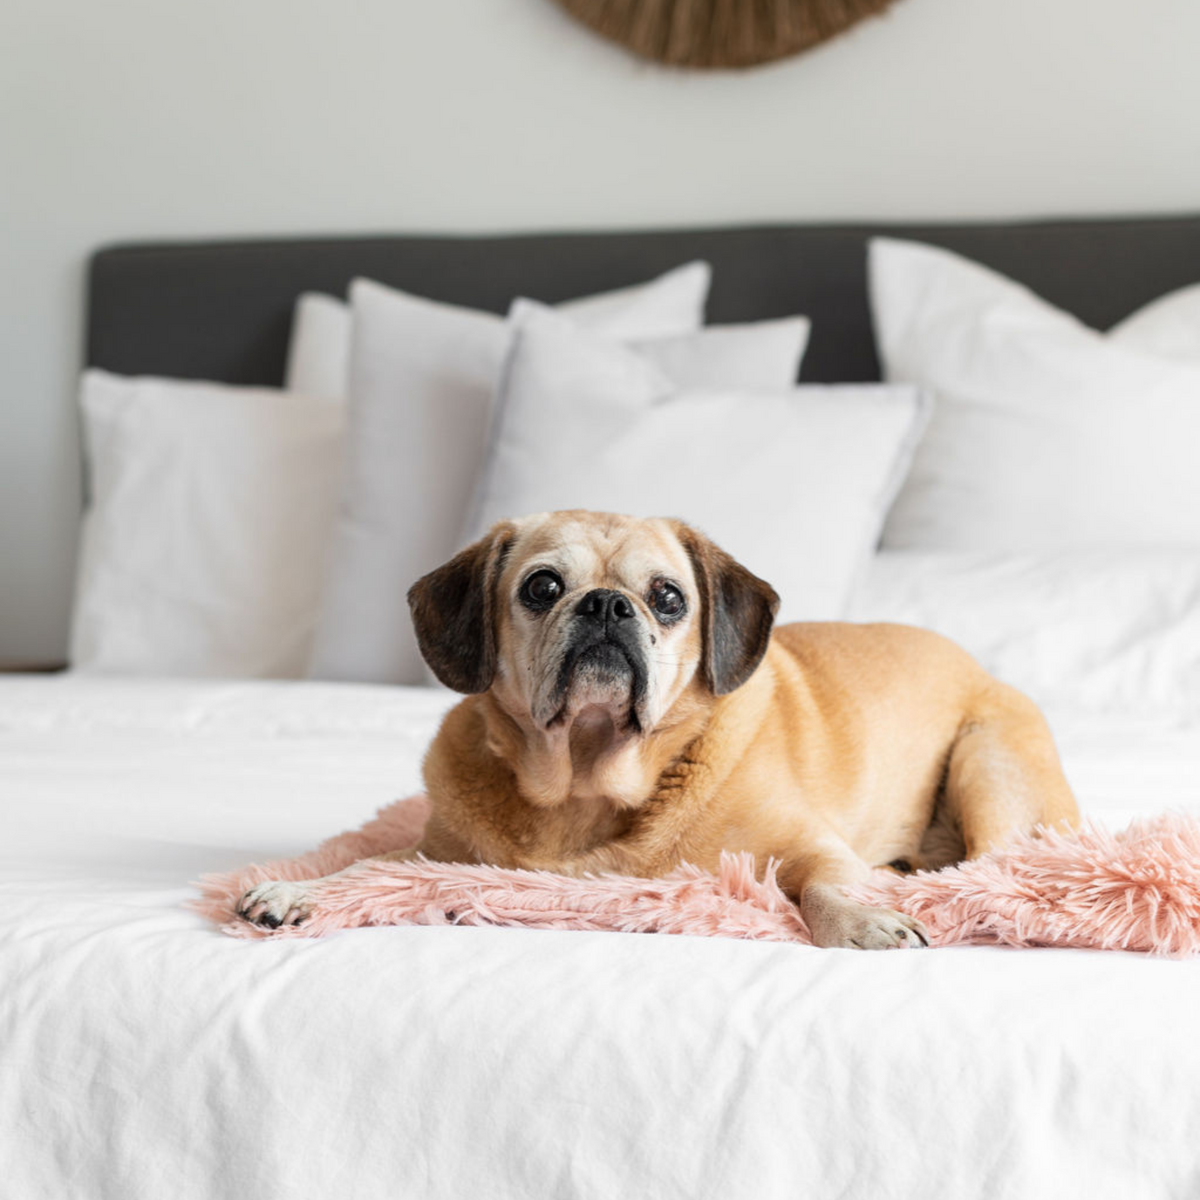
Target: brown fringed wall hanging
x=720 y=33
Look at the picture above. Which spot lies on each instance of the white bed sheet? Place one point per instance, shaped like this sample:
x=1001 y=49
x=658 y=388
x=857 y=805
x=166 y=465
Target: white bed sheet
x=142 y=1054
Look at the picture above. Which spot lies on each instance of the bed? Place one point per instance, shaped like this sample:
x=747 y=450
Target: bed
x=145 y=1055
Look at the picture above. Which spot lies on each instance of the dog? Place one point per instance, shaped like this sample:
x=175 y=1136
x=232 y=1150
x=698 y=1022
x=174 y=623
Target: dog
x=630 y=707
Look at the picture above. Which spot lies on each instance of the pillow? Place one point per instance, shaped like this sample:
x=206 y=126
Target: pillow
x=318 y=361
x=422 y=378
x=1090 y=629
x=1169 y=326
x=1045 y=434
x=794 y=482
x=207 y=526
x=757 y=354
x=670 y=304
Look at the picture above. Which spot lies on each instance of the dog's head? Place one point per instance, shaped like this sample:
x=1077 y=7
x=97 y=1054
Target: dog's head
x=566 y=613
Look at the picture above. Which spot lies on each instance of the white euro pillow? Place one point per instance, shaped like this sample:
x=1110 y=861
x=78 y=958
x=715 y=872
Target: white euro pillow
x=670 y=304
x=422 y=378
x=794 y=482
x=755 y=354
x=205 y=534
x=1045 y=434
x=318 y=360
x=1168 y=326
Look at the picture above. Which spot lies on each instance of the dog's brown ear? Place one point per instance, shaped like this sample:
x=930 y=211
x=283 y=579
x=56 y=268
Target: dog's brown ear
x=738 y=612
x=454 y=612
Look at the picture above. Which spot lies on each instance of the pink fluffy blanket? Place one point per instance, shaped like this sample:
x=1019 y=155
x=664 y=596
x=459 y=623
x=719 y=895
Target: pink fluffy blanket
x=1134 y=890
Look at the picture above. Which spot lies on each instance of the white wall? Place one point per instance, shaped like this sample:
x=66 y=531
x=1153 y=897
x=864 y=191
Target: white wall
x=136 y=119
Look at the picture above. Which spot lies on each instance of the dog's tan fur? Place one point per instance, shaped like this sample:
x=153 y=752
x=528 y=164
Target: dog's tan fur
x=841 y=748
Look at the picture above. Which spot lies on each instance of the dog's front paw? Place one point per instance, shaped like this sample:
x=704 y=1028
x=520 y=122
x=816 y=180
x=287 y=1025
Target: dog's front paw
x=275 y=903
x=858 y=927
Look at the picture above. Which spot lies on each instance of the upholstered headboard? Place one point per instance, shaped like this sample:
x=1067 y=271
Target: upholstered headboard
x=222 y=310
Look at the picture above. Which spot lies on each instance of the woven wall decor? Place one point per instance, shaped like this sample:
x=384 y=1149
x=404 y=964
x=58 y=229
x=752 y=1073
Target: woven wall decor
x=720 y=33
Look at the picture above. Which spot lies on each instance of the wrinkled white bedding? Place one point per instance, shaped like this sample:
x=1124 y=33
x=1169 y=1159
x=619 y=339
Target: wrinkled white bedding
x=1087 y=628
x=142 y=1054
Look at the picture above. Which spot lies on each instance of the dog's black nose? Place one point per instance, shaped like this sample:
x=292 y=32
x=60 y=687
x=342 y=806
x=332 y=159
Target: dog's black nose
x=606 y=606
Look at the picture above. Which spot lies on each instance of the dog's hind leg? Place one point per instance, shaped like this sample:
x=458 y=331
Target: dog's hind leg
x=1004 y=776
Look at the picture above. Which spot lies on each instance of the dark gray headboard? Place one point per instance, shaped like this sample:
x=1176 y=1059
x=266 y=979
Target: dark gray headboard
x=222 y=310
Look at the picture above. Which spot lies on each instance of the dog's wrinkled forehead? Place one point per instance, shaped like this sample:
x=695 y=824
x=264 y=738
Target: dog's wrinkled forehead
x=599 y=550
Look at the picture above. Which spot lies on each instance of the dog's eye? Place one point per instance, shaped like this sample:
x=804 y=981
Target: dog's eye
x=541 y=590
x=666 y=600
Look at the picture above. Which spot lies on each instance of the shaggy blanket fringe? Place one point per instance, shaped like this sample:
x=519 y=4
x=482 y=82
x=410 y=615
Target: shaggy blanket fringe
x=1138 y=889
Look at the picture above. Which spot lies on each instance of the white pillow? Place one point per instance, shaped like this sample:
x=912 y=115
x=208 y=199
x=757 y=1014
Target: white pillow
x=1168 y=326
x=669 y=304
x=794 y=482
x=207 y=526
x=1089 y=629
x=757 y=354
x=1045 y=434
x=422 y=377
x=318 y=361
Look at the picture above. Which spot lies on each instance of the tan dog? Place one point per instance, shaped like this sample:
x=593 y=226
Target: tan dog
x=631 y=711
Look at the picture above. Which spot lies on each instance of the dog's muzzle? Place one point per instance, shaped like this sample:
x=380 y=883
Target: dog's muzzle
x=605 y=643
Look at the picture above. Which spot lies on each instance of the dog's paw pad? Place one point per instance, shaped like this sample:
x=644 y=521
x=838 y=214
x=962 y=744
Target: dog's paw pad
x=276 y=903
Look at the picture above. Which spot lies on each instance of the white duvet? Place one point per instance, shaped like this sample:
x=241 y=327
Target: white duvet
x=143 y=1054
